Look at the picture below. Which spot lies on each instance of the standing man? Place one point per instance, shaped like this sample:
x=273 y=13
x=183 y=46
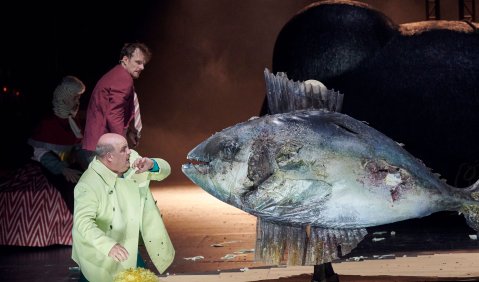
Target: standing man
x=113 y=205
x=113 y=106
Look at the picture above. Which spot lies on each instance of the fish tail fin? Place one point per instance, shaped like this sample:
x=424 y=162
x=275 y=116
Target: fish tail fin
x=303 y=245
x=285 y=95
x=471 y=208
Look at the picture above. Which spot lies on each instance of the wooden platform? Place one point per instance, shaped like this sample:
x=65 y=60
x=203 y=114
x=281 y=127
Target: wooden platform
x=215 y=241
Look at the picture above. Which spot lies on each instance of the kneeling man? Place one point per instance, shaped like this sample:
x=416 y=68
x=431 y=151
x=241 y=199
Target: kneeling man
x=113 y=205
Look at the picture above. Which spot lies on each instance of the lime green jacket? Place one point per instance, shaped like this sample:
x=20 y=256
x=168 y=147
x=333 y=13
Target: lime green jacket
x=109 y=210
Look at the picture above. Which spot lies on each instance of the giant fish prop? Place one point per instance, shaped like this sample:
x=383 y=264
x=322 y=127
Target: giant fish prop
x=323 y=176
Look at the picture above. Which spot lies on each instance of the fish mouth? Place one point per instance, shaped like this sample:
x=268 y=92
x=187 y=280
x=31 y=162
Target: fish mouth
x=200 y=165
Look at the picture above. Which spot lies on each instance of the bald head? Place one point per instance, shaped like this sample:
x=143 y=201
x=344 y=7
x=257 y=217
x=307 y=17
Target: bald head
x=112 y=150
x=106 y=144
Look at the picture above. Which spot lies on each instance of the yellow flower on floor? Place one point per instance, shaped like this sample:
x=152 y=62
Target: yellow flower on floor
x=136 y=275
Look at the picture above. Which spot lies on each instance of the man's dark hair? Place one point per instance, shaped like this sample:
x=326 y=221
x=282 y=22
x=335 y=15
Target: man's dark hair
x=129 y=48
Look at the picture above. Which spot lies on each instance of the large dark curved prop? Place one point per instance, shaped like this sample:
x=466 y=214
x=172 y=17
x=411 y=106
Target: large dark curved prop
x=417 y=83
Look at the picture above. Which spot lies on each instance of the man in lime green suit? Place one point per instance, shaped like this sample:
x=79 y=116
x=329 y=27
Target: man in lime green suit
x=113 y=206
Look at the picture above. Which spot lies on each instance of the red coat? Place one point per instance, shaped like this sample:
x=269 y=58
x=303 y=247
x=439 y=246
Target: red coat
x=111 y=107
x=55 y=131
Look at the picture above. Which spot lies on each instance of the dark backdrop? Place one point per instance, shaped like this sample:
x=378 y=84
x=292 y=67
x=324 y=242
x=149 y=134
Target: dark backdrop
x=206 y=72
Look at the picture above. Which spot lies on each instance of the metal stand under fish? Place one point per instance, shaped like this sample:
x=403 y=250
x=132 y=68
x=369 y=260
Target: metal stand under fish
x=317 y=178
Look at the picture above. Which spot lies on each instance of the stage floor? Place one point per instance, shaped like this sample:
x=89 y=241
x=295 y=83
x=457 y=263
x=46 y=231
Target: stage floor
x=215 y=242
x=197 y=222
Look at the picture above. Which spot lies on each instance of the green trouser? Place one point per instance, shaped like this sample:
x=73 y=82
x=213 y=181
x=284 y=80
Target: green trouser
x=139 y=263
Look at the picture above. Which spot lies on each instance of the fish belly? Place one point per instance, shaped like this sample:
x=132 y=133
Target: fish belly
x=352 y=206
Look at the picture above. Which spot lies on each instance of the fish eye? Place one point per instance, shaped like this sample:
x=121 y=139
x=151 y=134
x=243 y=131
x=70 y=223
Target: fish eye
x=229 y=149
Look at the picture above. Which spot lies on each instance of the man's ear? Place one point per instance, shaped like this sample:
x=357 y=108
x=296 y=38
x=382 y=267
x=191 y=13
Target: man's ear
x=124 y=60
x=109 y=157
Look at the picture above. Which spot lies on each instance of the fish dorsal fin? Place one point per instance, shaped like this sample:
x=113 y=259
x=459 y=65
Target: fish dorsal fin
x=285 y=95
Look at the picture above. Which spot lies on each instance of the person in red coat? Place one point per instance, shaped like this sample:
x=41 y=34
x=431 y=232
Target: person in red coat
x=56 y=140
x=113 y=106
